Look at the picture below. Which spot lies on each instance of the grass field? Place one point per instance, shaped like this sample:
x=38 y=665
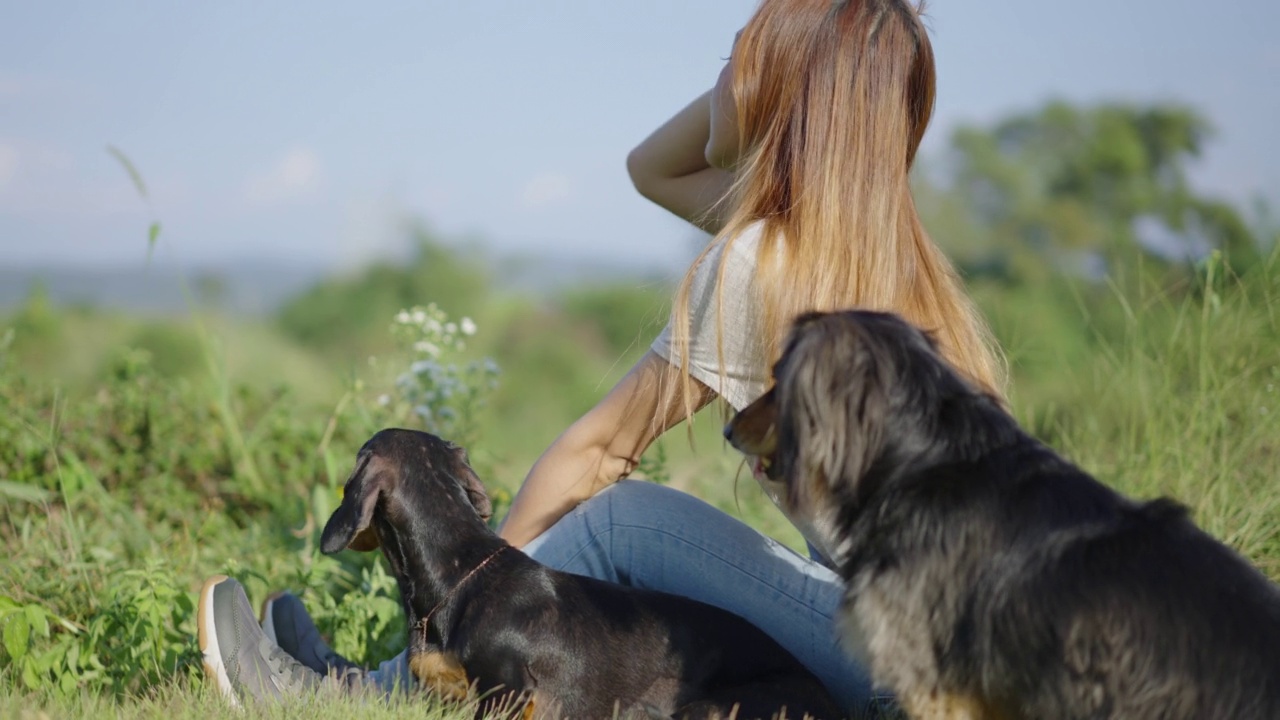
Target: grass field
x=138 y=457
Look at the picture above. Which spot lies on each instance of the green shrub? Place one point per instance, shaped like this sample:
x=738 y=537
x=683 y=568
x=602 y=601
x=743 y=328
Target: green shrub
x=155 y=482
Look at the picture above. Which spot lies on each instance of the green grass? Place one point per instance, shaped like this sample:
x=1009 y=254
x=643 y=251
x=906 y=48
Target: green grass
x=137 y=458
x=183 y=700
x=1174 y=393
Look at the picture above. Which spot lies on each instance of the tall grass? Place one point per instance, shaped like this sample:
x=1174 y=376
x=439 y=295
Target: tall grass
x=118 y=497
x=1183 y=399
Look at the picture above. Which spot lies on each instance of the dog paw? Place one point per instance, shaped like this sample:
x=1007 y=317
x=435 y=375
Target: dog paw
x=441 y=674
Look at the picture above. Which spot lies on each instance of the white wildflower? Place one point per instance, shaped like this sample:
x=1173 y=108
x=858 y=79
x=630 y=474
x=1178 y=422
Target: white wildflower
x=384 y=400
x=450 y=329
x=468 y=326
x=427 y=348
x=402 y=317
x=418 y=316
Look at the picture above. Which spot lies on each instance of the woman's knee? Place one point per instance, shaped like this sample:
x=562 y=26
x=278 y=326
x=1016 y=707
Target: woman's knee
x=584 y=540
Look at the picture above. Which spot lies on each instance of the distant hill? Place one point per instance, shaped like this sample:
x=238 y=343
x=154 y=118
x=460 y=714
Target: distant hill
x=240 y=288
x=259 y=288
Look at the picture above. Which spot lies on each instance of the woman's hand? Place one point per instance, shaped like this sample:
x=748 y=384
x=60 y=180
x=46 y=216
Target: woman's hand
x=670 y=168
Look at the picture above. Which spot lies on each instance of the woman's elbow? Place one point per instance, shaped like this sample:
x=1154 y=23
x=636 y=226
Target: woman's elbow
x=641 y=176
x=603 y=458
x=613 y=462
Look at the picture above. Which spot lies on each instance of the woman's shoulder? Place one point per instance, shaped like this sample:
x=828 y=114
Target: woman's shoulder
x=748 y=238
x=742 y=248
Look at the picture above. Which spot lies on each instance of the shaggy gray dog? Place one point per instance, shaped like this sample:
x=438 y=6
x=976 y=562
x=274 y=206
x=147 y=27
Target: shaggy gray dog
x=986 y=576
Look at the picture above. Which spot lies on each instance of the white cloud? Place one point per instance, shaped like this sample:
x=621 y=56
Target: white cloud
x=296 y=176
x=8 y=164
x=544 y=190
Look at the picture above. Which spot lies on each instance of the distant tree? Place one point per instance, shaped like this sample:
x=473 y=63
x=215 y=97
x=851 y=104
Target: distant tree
x=1068 y=183
x=349 y=315
x=34 y=332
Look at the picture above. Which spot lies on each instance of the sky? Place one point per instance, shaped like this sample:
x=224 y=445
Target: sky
x=307 y=132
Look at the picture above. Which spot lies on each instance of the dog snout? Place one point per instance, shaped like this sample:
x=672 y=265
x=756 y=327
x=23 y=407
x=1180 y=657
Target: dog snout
x=752 y=429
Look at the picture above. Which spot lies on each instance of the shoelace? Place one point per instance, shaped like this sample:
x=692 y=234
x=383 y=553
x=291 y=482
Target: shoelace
x=294 y=673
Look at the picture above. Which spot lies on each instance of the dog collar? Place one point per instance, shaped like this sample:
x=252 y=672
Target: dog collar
x=425 y=622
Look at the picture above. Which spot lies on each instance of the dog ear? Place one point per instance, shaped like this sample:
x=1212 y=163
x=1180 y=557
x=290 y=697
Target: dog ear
x=350 y=525
x=476 y=494
x=835 y=399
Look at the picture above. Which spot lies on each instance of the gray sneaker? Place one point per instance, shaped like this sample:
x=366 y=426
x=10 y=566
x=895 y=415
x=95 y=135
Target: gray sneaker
x=286 y=621
x=238 y=656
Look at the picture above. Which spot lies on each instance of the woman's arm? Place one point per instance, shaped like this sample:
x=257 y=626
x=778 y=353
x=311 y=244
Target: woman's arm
x=670 y=167
x=599 y=449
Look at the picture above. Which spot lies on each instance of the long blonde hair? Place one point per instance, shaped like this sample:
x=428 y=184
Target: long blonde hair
x=832 y=101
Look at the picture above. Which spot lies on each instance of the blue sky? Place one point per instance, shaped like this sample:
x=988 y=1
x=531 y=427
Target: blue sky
x=303 y=131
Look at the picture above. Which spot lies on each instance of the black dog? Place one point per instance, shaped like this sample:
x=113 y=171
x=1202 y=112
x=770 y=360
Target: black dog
x=986 y=576
x=554 y=644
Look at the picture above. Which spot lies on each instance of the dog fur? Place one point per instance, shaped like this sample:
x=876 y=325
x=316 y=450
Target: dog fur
x=987 y=577
x=545 y=642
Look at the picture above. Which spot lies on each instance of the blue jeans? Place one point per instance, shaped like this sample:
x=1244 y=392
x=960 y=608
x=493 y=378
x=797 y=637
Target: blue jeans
x=644 y=535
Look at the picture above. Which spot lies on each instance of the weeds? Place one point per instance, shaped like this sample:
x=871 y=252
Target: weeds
x=116 y=502
x=125 y=505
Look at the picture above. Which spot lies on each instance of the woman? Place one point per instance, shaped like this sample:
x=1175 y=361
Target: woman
x=797 y=161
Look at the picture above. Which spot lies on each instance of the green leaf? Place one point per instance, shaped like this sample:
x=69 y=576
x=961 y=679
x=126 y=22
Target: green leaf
x=101 y=554
x=386 y=608
x=16 y=635
x=78 y=478
x=73 y=656
x=153 y=233
x=52 y=660
x=321 y=502
x=38 y=618
x=67 y=683
x=24 y=493
x=134 y=175
x=185 y=604
x=67 y=625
